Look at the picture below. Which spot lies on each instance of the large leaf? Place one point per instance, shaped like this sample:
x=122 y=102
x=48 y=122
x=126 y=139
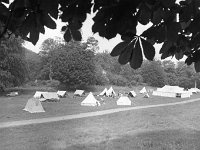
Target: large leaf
x=172 y=31
x=194 y=25
x=136 y=56
x=168 y=3
x=179 y=55
x=47 y=21
x=197 y=66
x=50 y=6
x=76 y=34
x=157 y=16
x=125 y=55
x=165 y=47
x=67 y=35
x=148 y=49
x=144 y=14
x=119 y=48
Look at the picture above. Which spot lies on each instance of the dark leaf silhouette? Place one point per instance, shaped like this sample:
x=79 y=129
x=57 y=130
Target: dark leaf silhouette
x=118 y=49
x=197 y=66
x=125 y=55
x=148 y=49
x=136 y=56
x=67 y=35
x=76 y=35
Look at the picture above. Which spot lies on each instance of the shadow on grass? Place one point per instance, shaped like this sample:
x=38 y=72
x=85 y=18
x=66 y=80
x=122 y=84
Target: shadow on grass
x=152 y=140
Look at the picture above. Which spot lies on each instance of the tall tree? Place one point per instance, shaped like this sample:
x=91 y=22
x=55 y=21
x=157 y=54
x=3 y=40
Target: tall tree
x=153 y=74
x=13 y=68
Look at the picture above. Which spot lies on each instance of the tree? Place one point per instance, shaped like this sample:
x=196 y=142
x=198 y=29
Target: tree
x=153 y=74
x=92 y=44
x=73 y=65
x=49 y=46
x=132 y=76
x=34 y=63
x=170 y=72
x=13 y=68
x=180 y=35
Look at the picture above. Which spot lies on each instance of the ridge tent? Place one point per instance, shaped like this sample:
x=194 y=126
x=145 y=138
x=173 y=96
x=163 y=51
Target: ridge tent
x=34 y=106
x=146 y=95
x=62 y=93
x=79 y=92
x=143 y=90
x=132 y=94
x=38 y=94
x=104 y=92
x=90 y=100
x=111 y=92
x=51 y=96
x=123 y=100
x=171 y=91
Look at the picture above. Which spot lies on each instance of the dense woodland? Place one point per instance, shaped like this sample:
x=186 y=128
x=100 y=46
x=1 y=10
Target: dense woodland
x=76 y=64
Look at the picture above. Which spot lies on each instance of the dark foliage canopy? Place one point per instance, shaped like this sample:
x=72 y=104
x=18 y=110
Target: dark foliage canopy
x=176 y=24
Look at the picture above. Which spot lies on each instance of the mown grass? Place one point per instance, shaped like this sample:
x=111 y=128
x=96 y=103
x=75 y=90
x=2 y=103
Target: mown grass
x=11 y=107
x=166 y=128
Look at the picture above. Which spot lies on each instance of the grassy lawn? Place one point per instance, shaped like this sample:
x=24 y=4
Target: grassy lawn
x=11 y=107
x=165 y=128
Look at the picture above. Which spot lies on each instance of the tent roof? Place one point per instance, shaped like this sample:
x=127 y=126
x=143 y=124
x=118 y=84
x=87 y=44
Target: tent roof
x=38 y=94
x=61 y=93
x=124 y=99
x=90 y=99
x=34 y=106
x=132 y=93
x=111 y=91
x=51 y=95
x=143 y=90
x=104 y=92
x=172 y=89
x=78 y=92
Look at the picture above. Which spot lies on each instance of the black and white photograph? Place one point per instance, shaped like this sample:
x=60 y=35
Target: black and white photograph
x=99 y=74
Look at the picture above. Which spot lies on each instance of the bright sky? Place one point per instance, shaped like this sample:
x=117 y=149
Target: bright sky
x=104 y=44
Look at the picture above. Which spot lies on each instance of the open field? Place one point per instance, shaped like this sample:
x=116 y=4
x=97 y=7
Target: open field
x=164 y=128
x=11 y=107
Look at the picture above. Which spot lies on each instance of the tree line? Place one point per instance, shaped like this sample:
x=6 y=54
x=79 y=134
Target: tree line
x=75 y=64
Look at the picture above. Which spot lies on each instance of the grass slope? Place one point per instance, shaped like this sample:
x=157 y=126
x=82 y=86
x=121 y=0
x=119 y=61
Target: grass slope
x=11 y=107
x=166 y=128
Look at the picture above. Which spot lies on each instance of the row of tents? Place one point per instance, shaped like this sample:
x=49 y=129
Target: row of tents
x=34 y=104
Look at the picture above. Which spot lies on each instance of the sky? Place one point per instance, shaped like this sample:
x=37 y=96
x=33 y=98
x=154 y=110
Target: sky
x=104 y=44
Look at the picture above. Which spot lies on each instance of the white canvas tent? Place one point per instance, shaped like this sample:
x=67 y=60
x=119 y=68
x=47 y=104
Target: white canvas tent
x=38 y=94
x=104 y=92
x=61 y=93
x=51 y=96
x=79 y=92
x=146 y=95
x=123 y=100
x=111 y=92
x=143 y=90
x=171 y=91
x=90 y=100
x=34 y=106
x=132 y=94
x=194 y=90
